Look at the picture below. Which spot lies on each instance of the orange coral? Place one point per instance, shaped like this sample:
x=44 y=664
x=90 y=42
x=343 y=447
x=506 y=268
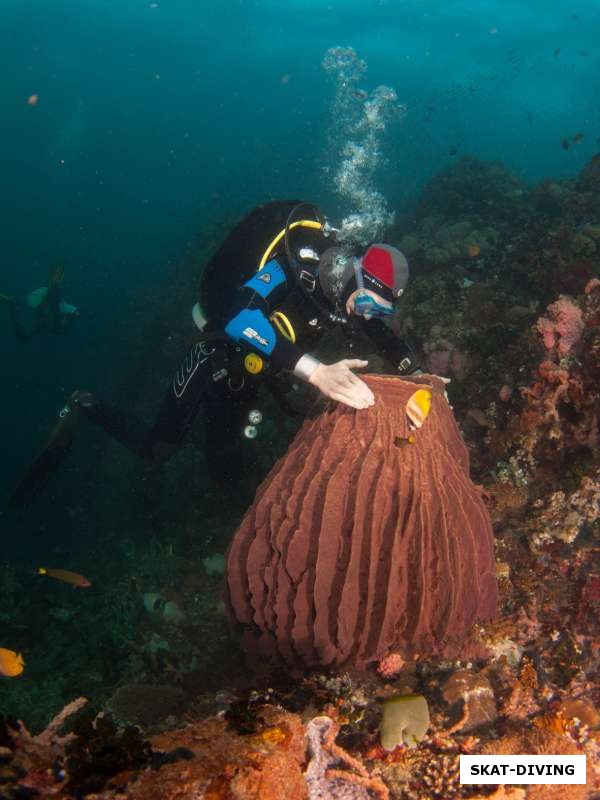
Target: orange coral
x=522 y=702
x=264 y=766
x=555 y=722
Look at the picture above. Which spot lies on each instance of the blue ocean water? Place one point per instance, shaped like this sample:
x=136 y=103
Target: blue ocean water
x=148 y=119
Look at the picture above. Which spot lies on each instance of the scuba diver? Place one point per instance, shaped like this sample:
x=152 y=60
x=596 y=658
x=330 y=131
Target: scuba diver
x=45 y=313
x=275 y=285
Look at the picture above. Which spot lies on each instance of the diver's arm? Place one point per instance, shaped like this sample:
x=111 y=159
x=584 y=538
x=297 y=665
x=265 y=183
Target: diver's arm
x=250 y=323
x=252 y=326
x=391 y=347
x=335 y=381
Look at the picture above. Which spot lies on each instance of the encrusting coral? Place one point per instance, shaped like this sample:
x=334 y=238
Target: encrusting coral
x=204 y=759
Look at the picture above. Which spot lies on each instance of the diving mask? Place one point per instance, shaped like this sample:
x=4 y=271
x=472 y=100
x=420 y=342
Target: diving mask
x=364 y=304
x=367 y=306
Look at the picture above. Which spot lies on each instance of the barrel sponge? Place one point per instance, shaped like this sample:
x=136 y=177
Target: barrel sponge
x=366 y=538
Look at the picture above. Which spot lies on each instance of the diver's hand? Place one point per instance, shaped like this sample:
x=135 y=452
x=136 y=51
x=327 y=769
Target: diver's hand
x=338 y=382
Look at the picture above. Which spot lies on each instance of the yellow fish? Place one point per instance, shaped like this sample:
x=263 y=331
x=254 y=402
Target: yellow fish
x=417 y=408
x=11 y=663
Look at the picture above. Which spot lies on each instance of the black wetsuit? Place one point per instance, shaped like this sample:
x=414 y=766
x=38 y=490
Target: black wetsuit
x=213 y=377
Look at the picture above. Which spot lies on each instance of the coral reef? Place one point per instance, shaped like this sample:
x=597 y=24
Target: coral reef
x=504 y=298
x=563 y=403
x=200 y=760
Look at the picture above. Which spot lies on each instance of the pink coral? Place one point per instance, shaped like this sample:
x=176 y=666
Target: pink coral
x=563 y=382
x=546 y=328
x=563 y=326
x=390 y=666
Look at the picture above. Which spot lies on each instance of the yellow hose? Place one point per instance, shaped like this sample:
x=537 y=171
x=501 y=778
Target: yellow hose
x=305 y=223
x=284 y=326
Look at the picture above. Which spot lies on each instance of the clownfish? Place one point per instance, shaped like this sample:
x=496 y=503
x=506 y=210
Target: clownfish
x=11 y=663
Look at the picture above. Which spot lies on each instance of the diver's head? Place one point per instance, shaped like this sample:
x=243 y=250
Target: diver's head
x=365 y=285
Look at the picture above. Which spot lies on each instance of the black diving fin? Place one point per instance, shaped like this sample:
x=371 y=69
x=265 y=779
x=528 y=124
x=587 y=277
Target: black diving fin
x=50 y=458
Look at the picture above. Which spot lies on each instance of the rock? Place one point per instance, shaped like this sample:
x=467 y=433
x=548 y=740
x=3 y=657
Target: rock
x=477 y=695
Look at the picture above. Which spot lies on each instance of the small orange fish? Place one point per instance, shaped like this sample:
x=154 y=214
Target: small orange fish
x=32 y=100
x=400 y=441
x=473 y=250
x=67 y=576
x=11 y=663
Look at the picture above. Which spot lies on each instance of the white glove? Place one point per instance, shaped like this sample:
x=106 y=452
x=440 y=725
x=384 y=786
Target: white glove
x=338 y=382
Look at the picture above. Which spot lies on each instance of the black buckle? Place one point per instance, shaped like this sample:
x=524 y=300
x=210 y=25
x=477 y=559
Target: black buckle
x=309 y=279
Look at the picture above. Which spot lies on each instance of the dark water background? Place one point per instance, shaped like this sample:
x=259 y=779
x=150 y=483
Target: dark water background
x=155 y=118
